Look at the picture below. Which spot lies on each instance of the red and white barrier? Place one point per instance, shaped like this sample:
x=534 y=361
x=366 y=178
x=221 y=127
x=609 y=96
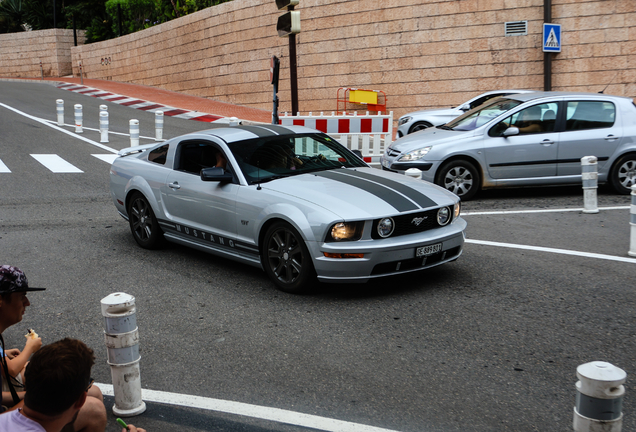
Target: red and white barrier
x=370 y=134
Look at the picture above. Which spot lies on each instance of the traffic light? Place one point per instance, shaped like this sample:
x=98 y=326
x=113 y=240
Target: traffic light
x=286 y=4
x=288 y=23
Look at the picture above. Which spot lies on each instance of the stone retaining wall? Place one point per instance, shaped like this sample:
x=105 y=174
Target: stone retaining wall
x=421 y=53
x=21 y=53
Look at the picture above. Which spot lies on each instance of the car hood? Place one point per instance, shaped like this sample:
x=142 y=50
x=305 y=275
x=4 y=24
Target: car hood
x=426 y=137
x=362 y=193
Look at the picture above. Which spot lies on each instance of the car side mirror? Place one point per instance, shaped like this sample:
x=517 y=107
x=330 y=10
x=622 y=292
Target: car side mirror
x=216 y=174
x=512 y=130
x=357 y=153
x=465 y=107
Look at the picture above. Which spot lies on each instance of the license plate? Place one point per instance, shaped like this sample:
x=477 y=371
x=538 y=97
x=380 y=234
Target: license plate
x=428 y=250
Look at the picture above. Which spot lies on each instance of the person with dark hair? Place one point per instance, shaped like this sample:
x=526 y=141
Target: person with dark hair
x=58 y=394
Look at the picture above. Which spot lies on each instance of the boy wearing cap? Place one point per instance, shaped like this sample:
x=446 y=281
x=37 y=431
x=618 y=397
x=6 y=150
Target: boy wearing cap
x=91 y=414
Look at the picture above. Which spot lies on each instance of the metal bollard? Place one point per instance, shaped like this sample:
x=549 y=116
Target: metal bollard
x=158 y=125
x=134 y=132
x=103 y=126
x=59 y=109
x=414 y=172
x=632 y=223
x=599 y=398
x=79 y=118
x=589 y=175
x=122 y=342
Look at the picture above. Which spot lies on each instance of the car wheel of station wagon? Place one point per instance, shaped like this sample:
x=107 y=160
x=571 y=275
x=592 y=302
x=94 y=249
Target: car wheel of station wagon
x=419 y=126
x=143 y=223
x=623 y=175
x=286 y=259
x=460 y=177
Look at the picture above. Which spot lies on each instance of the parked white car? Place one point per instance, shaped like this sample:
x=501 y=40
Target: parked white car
x=419 y=120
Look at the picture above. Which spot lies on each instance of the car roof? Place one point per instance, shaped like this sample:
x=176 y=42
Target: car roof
x=525 y=97
x=232 y=134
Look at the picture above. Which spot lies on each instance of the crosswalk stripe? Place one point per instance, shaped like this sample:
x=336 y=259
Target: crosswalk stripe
x=56 y=164
x=4 y=168
x=106 y=157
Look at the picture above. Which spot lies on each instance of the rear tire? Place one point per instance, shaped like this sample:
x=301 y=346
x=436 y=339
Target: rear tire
x=623 y=174
x=459 y=177
x=286 y=259
x=143 y=223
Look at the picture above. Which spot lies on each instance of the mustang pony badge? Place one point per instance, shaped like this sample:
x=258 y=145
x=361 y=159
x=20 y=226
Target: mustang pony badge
x=418 y=220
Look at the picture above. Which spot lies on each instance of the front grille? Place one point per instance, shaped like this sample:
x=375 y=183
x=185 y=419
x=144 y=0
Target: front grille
x=407 y=224
x=392 y=153
x=414 y=263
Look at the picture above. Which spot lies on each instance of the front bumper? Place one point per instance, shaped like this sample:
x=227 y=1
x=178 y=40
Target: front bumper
x=388 y=257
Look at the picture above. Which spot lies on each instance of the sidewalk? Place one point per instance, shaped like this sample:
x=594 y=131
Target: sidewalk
x=170 y=98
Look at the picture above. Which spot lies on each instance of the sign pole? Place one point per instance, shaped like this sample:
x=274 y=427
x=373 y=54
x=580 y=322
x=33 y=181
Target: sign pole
x=293 y=74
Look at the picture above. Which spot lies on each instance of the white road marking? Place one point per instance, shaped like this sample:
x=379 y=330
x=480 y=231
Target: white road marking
x=505 y=212
x=553 y=250
x=248 y=410
x=106 y=157
x=56 y=164
x=4 y=168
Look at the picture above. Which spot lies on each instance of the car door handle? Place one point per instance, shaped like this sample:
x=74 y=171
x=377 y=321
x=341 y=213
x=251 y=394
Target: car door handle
x=547 y=142
x=611 y=137
x=174 y=185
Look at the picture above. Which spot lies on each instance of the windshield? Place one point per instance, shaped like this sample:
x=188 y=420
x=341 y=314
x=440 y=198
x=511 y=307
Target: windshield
x=481 y=115
x=264 y=159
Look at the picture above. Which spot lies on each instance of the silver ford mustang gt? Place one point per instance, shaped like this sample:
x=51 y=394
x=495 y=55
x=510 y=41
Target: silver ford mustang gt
x=290 y=200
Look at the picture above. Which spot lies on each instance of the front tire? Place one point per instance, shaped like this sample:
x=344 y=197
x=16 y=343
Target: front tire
x=459 y=177
x=623 y=174
x=419 y=126
x=286 y=259
x=143 y=223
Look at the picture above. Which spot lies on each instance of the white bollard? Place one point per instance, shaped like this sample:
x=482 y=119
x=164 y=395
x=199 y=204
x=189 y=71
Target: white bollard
x=134 y=132
x=599 y=398
x=589 y=175
x=632 y=223
x=103 y=126
x=158 y=125
x=414 y=172
x=59 y=109
x=102 y=108
x=79 y=118
x=234 y=121
x=122 y=343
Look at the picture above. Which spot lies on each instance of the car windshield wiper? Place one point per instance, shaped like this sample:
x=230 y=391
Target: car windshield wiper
x=445 y=127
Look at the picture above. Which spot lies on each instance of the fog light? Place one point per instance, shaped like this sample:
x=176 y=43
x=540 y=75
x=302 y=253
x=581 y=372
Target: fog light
x=385 y=227
x=443 y=216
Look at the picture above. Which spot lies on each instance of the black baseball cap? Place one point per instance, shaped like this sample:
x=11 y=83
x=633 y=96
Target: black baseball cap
x=12 y=279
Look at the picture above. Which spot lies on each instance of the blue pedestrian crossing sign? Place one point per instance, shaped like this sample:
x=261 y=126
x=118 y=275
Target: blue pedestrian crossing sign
x=551 y=37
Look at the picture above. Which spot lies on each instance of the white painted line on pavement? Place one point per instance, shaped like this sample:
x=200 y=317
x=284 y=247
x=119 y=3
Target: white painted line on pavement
x=56 y=164
x=106 y=157
x=504 y=212
x=553 y=250
x=247 y=410
x=4 y=168
x=46 y=122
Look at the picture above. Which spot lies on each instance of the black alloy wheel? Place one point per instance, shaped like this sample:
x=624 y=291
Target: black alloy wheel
x=286 y=259
x=460 y=177
x=143 y=223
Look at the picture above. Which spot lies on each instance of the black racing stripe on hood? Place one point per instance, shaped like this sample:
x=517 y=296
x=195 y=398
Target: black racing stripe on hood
x=259 y=131
x=399 y=202
x=418 y=197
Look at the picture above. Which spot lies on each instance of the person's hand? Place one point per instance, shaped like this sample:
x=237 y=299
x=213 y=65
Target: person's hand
x=11 y=353
x=132 y=428
x=34 y=344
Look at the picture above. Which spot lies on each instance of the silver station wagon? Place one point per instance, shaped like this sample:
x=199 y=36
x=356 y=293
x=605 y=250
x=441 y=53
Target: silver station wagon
x=288 y=199
x=526 y=139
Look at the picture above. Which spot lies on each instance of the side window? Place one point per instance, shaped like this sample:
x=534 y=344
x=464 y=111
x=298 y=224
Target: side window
x=158 y=155
x=582 y=115
x=194 y=156
x=535 y=119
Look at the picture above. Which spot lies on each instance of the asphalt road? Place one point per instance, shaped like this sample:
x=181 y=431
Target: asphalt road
x=490 y=342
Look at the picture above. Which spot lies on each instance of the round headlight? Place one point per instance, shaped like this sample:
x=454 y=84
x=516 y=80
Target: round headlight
x=443 y=216
x=385 y=227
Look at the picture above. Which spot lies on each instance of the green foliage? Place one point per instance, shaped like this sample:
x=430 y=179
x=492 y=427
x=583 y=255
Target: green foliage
x=100 y=18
